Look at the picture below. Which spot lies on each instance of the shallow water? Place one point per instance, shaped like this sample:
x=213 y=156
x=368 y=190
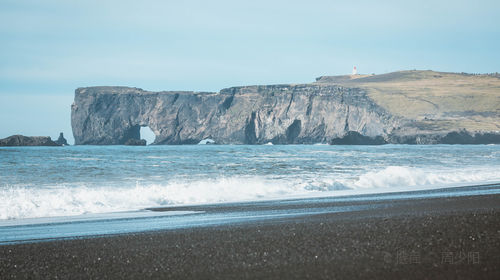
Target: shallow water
x=66 y=181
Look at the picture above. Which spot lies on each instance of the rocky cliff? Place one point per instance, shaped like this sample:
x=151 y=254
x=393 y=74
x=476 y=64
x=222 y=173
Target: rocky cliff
x=336 y=110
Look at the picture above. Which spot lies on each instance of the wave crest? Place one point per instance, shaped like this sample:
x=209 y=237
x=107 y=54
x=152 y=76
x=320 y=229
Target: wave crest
x=33 y=202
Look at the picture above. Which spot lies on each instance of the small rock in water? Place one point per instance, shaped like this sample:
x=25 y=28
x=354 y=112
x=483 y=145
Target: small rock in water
x=136 y=142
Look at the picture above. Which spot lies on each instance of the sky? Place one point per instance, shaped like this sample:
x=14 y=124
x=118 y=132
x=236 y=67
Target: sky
x=49 y=48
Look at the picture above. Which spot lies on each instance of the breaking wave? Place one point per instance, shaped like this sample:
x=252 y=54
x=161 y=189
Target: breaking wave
x=67 y=200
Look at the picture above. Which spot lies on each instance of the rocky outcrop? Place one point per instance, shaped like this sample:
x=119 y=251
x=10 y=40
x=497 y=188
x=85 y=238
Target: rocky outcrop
x=332 y=110
x=355 y=138
x=281 y=114
x=20 y=140
x=61 y=140
x=135 y=142
x=455 y=137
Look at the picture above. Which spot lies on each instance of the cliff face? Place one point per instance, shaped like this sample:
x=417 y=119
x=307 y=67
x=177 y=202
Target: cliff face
x=242 y=115
x=335 y=110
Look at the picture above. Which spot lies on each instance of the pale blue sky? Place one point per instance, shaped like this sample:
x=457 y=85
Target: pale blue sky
x=49 y=48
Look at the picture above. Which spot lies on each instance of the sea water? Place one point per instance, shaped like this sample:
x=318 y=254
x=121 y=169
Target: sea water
x=41 y=182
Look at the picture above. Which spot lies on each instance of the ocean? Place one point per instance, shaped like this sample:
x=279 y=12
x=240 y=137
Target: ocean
x=71 y=181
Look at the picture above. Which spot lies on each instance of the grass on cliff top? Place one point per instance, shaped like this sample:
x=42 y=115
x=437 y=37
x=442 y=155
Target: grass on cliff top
x=453 y=100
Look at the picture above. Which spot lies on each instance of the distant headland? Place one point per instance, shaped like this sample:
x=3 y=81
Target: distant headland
x=405 y=107
x=21 y=140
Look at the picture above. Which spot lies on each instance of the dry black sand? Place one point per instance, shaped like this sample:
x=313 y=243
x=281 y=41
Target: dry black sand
x=438 y=238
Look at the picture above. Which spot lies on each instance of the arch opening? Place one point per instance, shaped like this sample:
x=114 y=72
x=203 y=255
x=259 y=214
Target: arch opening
x=147 y=134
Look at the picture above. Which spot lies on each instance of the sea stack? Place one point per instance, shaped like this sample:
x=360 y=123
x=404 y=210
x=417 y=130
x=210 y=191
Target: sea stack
x=61 y=140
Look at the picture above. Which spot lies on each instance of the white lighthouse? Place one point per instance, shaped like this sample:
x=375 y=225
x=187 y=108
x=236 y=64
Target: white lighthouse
x=354 y=71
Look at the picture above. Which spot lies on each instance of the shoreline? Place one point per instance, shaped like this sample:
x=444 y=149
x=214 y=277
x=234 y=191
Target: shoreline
x=217 y=214
x=442 y=237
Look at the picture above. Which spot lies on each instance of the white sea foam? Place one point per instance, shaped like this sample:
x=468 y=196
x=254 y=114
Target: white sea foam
x=397 y=176
x=26 y=202
x=61 y=200
x=206 y=141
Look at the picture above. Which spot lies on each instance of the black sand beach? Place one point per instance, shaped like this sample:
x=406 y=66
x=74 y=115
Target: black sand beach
x=431 y=238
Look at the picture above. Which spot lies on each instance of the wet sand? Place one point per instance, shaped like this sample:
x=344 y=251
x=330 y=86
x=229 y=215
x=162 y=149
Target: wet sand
x=435 y=238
